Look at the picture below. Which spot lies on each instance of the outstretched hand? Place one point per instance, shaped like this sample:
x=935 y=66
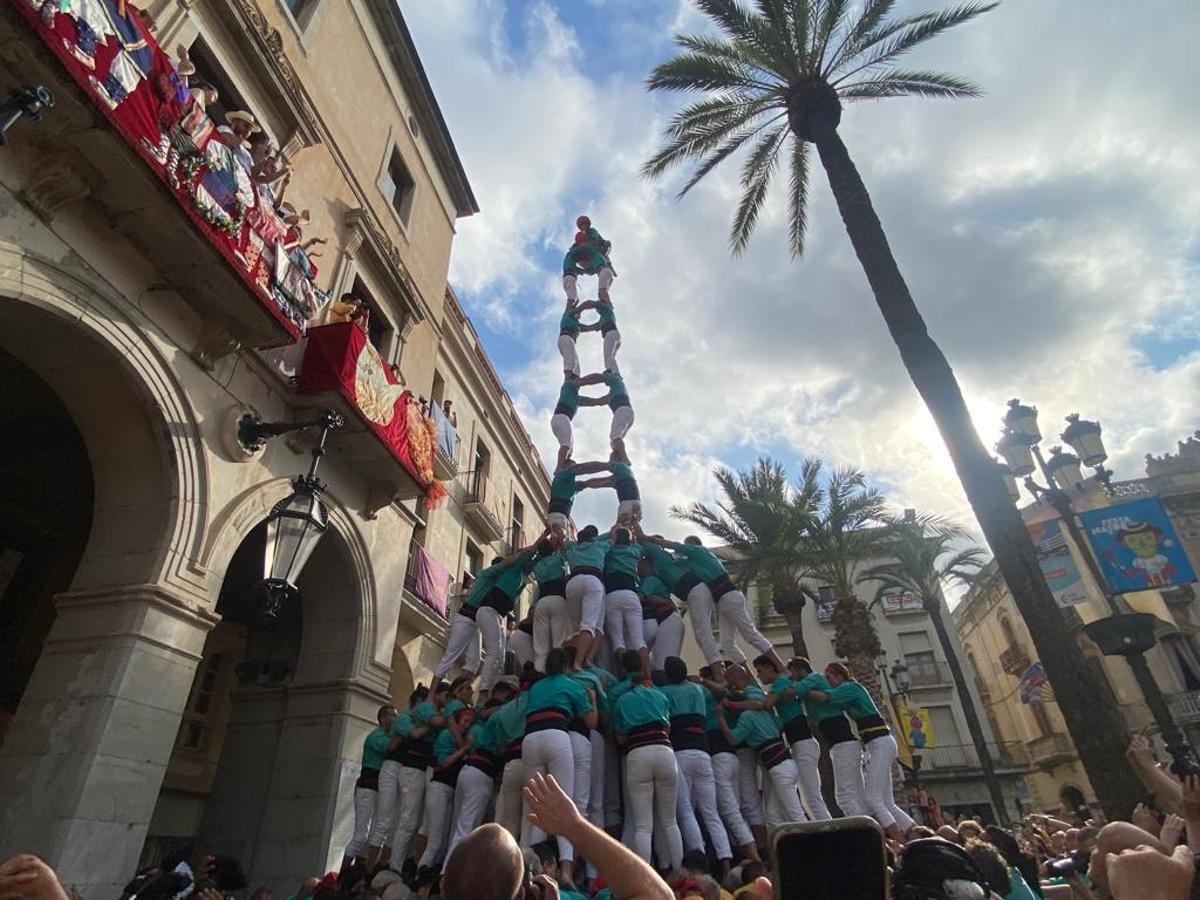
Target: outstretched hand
x=27 y=876
x=550 y=809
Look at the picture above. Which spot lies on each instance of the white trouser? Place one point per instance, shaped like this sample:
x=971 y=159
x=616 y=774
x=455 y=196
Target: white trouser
x=566 y=346
x=623 y=620
x=748 y=796
x=581 y=749
x=807 y=754
x=463 y=643
x=734 y=619
x=551 y=626
x=612 y=343
x=521 y=644
x=614 y=783
x=550 y=752
x=605 y=275
x=700 y=611
x=560 y=427
x=622 y=421
x=410 y=807
x=848 y=790
x=652 y=778
x=491 y=631
x=596 y=796
x=508 y=802
x=586 y=594
x=725 y=767
x=685 y=816
x=881 y=804
x=779 y=789
x=664 y=639
x=571 y=288
x=697 y=770
x=439 y=807
x=471 y=798
x=364 y=809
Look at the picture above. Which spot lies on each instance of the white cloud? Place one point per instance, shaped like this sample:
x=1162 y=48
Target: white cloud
x=1042 y=229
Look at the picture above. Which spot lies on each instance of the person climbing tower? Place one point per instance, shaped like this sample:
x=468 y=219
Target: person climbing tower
x=569 y=402
x=607 y=326
x=568 y=331
x=563 y=488
x=585 y=259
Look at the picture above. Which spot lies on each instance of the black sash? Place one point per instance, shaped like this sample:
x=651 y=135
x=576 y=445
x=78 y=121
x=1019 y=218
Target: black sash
x=772 y=753
x=718 y=744
x=546 y=720
x=485 y=762
x=871 y=727
x=368 y=778
x=687 y=732
x=499 y=601
x=619 y=581
x=649 y=735
x=835 y=730
x=721 y=586
x=560 y=505
x=447 y=775
x=797 y=729
x=586 y=570
x=467 y=612
x=555 y=588
x=684 y=585
x=563 y=410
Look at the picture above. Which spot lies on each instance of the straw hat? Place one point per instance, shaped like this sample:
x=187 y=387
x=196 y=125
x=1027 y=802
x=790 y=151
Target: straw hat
x=240 y=115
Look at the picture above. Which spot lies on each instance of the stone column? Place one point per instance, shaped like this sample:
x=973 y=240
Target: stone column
x=82 y=763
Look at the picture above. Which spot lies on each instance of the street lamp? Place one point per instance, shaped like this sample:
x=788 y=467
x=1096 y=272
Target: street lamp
x=1119 y=634
x=897 y=682
x=31 y=100
x=901 y=678
x=297 y=522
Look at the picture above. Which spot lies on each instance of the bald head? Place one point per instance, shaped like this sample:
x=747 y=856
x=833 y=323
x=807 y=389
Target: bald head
x=486 y=865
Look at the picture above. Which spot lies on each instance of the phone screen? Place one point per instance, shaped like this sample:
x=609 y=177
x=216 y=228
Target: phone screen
x=832 y=860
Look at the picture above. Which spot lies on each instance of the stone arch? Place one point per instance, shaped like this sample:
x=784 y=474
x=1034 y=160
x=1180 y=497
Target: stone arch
x=247 y=510
x=72 y=328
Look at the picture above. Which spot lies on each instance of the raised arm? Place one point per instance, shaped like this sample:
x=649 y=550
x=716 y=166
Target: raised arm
x=594 y=483
x=594 y=378
x=595 y=401
x=819 y=696
x=590 y=468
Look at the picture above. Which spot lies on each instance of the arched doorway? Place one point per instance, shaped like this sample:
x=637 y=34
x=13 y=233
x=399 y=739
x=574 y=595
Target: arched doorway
x=268 y=750
x=46 y=498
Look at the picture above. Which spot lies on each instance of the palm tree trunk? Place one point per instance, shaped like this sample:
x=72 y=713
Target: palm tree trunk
x=1096 y=725
x=796 y=626
x=972 y=714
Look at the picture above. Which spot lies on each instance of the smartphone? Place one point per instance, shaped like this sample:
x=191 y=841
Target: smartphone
x=809 y=859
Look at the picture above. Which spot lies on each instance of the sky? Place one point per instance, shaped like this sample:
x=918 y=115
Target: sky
x=1049 y=232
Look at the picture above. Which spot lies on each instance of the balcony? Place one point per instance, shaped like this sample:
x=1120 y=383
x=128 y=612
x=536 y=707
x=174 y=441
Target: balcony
x=965 y=757
x=445 y=460
x=1051 y=750
x=385 y=434
x=481 y=511
x=427 y=586
x=1185 y=707
x=899 y=604
x=928 y=673
x=1014 y=660
x=156 y=171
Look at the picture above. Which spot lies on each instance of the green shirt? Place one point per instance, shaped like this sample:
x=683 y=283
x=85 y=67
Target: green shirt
x=512 y=579
x=482 y=585
x=451 y=707
x=403 y=724
x=592 y=682
x=583 y=259
x=558 y=692
x=443 y=746
x=550 y=568
x=375 y=748
x=788 y=708
x=569 y=323
x=623 y=481
x=702 y=561
x=608 y=315
x=619 y=690
x=641 y=705
x=562 y=485
x=652 y=586
x=813 y=681
x=508 y=722
x=666 y=567
x=852 y=698
x=484 y=736
x=711 y=702
x=616 y=388
x=422 y=713
x=623 y=559
x=607 y=678
x=686 y=698
x=587 y=553
x=568 y=396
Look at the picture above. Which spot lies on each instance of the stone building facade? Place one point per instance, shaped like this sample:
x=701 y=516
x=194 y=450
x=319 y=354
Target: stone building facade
x=1000 y=650
x=143 y=700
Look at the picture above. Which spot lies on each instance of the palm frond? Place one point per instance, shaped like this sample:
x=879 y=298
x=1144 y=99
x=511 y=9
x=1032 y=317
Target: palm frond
x=872 y=14
x=922 y=29
x=726 y=150
x=703 y=128
x=798 y=197
x=903 y=83
x=733 y=53
x=831 y=21
x=756 y=178
x=699 y=72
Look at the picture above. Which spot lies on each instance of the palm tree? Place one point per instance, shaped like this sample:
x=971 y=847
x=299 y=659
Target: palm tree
x=925 y=552
x=761 y=519
x=846 y=531
x=775 y=79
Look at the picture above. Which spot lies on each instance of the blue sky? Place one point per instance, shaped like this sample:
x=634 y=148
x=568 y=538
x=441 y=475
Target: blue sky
x=1048 y=231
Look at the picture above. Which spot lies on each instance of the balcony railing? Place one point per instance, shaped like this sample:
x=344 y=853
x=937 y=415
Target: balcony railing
x=966 y=756
x=1185 y=707
x=928 y=673
x=480 y=510
x=147 y=155
x=1014 y=660
x=1051 y=750
x=445 y=463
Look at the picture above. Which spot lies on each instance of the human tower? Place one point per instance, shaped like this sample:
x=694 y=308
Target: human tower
x=605 y=704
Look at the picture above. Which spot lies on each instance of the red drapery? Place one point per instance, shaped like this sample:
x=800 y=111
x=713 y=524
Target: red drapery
x=116 y=61
x=340 y=358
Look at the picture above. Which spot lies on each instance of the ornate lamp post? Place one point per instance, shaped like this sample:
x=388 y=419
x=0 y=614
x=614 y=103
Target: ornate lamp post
x=898 y=682
x=1119 y=634
x=297 y=522
x=31 y=100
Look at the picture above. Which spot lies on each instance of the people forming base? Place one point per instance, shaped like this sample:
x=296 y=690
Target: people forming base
x=667 y=761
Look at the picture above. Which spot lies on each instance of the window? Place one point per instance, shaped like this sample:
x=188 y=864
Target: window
x=195 y=716
x=944 y=727
x=483 y=463
x=825 y=603
x=517 y=536
x=438 y=392
x=379 y=330
x=474 y=560
x=208 y=69
x=1010 y=636
x=1041 y=717
x=397 y=185
x=302 y=11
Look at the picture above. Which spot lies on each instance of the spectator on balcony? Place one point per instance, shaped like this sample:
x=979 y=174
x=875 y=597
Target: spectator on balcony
x=236 y=134
x=347 y=308
x=449 y=413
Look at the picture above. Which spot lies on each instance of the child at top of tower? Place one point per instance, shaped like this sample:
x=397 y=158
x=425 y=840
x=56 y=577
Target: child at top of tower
x=587 y=257
x=594 y=237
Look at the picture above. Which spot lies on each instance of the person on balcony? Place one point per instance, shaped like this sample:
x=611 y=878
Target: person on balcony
x=236 y=134
x=563 y=488
x=568 y=404
x=584 y=259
